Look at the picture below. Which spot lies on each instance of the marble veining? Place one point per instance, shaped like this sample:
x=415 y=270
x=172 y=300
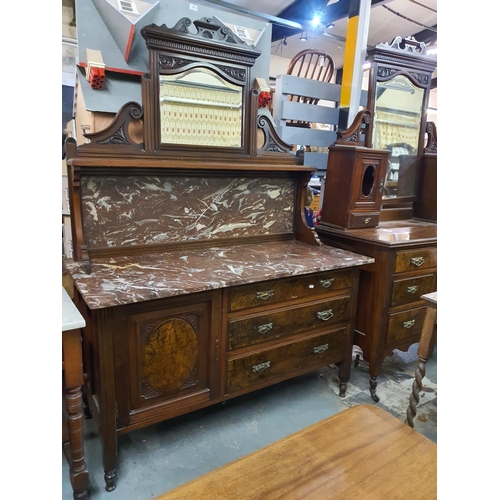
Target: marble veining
x=130 y=279
x=139 y=210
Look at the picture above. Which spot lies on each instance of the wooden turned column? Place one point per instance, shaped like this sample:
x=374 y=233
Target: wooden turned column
x=425 y=348
x=73 y=381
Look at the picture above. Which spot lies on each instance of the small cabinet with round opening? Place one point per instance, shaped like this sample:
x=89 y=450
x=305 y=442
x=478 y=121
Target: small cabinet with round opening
x=354 y=181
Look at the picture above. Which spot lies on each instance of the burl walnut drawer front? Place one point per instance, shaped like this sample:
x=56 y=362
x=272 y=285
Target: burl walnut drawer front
x=276 y=324
x=415 y=260
x=410 y=290
x=270 y=292
x=405 y=324
x=286 y=359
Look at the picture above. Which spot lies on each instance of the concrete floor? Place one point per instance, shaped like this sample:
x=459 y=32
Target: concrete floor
x=163 y=456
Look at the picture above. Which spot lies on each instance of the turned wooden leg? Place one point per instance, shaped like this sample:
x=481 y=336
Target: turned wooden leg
x=110 y=479
x=73 y=381
x=373 y=388
x=415 y=392
x=344 y=376
x=425 y=348
x=79 y=476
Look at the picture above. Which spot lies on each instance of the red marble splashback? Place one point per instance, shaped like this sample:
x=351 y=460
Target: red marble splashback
x=141 y=210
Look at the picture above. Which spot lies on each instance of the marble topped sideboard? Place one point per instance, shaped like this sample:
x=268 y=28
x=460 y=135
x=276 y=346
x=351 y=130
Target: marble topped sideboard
x=171 y=332
x=138 y=278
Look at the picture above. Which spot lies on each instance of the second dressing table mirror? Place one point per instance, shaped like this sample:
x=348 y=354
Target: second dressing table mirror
x=398 y=95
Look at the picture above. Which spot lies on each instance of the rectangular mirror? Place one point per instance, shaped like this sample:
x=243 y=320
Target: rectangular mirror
x=396 y=127
x=198 y=107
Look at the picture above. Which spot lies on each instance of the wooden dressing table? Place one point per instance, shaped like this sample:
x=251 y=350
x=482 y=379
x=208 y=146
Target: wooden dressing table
x=392 y=219
x=194 y=268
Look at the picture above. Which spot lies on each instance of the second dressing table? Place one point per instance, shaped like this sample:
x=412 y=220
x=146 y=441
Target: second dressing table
x=391 y=215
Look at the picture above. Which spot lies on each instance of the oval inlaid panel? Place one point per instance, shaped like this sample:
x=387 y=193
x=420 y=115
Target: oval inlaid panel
x=170 y=354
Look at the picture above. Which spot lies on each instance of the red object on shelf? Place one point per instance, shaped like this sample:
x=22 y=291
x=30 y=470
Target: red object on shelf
x=264 y=98
x=96 y=77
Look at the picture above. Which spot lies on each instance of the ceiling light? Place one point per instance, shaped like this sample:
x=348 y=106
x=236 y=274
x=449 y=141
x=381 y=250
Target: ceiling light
x=316 y=20
x=303 y=38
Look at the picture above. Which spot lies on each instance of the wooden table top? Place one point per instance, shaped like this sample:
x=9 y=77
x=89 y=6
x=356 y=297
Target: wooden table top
x=363 y=453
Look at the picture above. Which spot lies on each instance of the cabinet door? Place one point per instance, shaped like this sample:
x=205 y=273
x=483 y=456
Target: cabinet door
x=169 y=357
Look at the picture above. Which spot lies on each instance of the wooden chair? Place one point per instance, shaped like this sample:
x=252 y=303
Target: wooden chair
x=312 y=64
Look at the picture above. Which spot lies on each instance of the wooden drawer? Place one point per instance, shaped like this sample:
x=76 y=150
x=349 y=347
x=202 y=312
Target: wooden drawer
x=405 y=324
x=273 y=291
x=287 y=321
x=410 y=290
x=281 y=362
x=357 y=220
x=415 y=260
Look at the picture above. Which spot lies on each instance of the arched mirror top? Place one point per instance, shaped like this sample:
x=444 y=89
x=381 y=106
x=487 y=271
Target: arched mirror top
x=398 y=94
x=198 y=88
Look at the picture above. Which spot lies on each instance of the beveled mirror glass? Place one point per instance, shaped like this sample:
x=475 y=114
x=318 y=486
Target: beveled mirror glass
x=396 y=127
x=198 y=107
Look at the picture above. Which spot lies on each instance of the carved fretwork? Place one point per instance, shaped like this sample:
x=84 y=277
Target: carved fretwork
x=169 y=62
x=180 y=38
x=272 y=142
x=385 y=73
x=431 y=130
x=409 y=44
x=117 y=133
x=420 y=78
x=235 y=73
x=206 y=28
x=352 y=136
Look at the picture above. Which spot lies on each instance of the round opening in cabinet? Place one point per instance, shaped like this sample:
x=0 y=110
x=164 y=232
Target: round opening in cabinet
x=368 y=180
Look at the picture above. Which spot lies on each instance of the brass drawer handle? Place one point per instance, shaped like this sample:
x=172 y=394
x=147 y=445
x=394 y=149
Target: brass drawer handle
x=408 y=324
x=325 y=315
x=264 y=295
x=327 y=283
x=265 y=328
x=260 y=368
x=366 y=220
x=320 y=349
x=412 y=289
x=417 y=261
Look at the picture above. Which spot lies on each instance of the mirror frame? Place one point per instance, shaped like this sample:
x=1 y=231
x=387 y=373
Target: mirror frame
x=405 y=57
x=210 y=45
